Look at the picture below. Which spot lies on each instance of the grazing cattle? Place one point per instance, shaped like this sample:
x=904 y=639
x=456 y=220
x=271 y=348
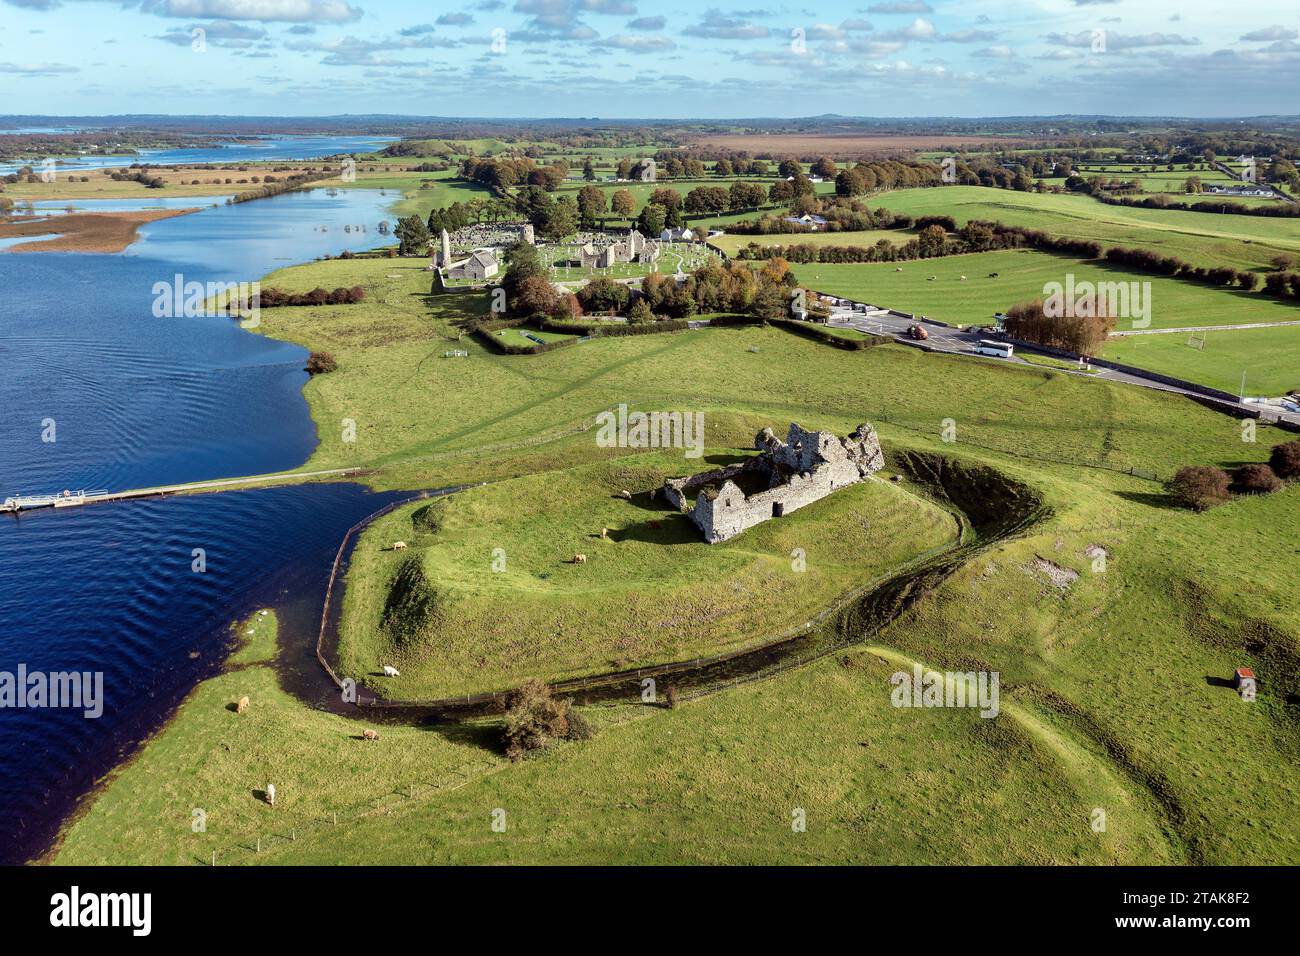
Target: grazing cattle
x=270 y=794
x=391 y=671
x=993 y=275
x=242 y=705
x=369 y=734
x=399 y=545
x=579 y=559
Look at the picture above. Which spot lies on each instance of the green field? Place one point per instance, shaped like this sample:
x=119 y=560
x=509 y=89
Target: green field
x=1111 y=682
x=421 y=193
x=1202 y=238
x=525 y=338
x=447 y=607
x=731 y=244
x=1270 y=358
x=1022 y=277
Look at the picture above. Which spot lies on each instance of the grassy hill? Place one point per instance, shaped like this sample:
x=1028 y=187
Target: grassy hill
x=487 y=596
x=1111 y=670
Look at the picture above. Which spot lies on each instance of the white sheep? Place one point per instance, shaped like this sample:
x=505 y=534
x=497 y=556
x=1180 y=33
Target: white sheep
x=391 y=671
x=399 y=545
x=270 y=794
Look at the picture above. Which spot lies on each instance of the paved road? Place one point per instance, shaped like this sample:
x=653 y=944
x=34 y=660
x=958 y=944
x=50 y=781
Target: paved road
x=958 y=341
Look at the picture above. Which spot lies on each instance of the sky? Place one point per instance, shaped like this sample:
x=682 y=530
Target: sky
x=637 y=59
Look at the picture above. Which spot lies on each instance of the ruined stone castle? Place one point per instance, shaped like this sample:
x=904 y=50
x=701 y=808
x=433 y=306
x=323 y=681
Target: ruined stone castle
x=785 y=476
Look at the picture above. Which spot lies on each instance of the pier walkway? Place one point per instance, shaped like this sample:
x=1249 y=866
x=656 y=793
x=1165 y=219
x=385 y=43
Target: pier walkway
x=69 y=499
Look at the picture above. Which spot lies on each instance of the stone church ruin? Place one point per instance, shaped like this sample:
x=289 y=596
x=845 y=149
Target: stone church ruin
x=785 y=476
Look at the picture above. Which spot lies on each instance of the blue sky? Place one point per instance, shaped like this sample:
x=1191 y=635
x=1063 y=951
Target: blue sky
x=632 y=58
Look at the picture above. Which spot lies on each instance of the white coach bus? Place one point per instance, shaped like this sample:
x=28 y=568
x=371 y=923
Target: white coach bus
x=995 y=348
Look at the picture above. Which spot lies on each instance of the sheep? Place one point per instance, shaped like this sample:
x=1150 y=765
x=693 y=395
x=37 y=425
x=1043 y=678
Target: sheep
x=399 y=545
x=369 y=734
x=932 y=278
x=963 y=278
x=270 y=794
x=242 y=705
x=898 y=268
x=993 y=275
x=390 y=671
x=579 y=559
x=604 y=534
x=625 y=494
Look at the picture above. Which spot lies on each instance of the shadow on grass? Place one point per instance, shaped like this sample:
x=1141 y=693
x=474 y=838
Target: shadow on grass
x=1151 y=499
x=484 y=736
x=674 y=528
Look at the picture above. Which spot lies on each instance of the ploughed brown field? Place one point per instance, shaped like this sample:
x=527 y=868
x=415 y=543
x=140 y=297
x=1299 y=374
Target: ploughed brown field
x=841 y=144
x=84 y=232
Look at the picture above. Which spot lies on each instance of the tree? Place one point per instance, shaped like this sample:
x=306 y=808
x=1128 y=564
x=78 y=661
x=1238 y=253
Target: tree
x=1255 y=479
x=1285 y=460
x=825 y=168
x=624 y=168
x=745 y=195
x=668 y=198
x=652 y=220
x=622 y=202
x=1200 y=487
x=603 y=294
x=535 y=720
x=1083 y=335
x=588 y=170
x=641 y=312
x=931 y=241
x=707 y=199
x=522 y=263
x=592 y=204
x=561 y=220
x=536 y=296
x=412 y=236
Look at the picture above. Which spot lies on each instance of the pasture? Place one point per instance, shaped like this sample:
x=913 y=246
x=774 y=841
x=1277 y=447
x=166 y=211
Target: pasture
x=1111 y=693
x=1022 y=276
x=1202 y=238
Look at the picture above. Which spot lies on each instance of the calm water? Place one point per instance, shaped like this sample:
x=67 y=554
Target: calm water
x=266 y=149
x=135 y=401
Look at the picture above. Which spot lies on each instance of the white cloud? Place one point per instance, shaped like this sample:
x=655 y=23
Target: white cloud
x=289 y=11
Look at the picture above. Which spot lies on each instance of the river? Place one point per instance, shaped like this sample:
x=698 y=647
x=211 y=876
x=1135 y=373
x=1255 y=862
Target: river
x=99 y=393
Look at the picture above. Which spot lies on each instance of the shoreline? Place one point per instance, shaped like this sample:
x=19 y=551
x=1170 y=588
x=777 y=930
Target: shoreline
x=105 y=232
x=87 y=800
